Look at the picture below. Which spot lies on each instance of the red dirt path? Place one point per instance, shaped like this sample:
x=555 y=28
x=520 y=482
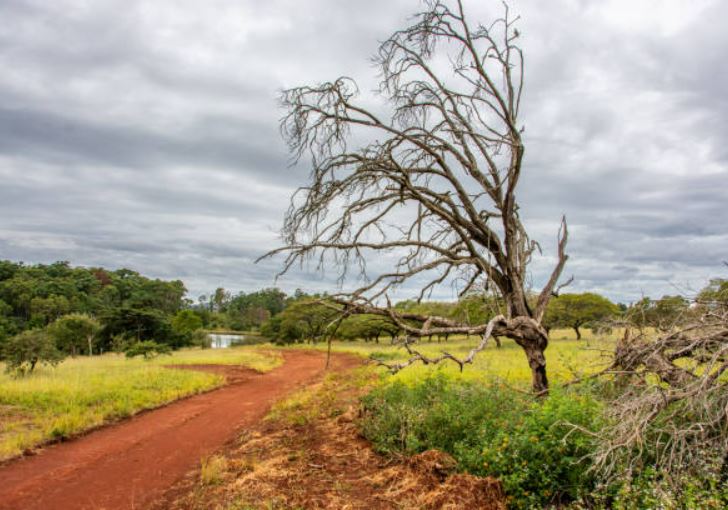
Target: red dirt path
x=130 y=464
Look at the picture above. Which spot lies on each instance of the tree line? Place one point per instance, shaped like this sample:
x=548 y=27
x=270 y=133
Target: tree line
x=93 y=310
x=312 y=318
x=48 y=311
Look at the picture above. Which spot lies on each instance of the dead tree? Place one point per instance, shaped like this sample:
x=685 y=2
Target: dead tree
x=433 y=181
x=672 y=410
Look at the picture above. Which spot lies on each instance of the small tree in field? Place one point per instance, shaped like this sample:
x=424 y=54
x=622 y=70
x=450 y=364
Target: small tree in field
x=432 y=182
x=24 y=351
x=148 y=349
x=579 y=310
x=75 y=332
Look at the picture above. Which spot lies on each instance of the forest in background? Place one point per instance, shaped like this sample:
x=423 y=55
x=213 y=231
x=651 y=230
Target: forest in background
x=127 y=307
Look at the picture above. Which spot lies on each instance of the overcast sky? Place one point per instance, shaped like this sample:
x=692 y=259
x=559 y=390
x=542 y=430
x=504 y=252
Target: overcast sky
x=144 y=134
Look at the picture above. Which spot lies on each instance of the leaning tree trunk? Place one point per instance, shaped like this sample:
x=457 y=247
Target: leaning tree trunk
x=531 y=336
x=578 y=333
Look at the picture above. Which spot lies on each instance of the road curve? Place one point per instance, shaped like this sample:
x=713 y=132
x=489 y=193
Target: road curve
x=130 y=464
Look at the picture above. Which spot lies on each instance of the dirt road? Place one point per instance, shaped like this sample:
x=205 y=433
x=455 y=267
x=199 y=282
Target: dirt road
x=130 y=464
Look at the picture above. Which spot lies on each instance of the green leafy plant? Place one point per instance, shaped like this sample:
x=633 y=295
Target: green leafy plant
x=531 y=445
x=148 y=349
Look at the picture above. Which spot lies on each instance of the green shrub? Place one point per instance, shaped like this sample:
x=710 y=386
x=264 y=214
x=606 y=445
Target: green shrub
x=491 y=430
x=540 y=457
x=148 y=348
x=649 y=489
x=24 y=351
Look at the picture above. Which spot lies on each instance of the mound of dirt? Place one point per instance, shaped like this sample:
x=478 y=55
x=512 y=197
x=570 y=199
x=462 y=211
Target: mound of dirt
x=319 y=461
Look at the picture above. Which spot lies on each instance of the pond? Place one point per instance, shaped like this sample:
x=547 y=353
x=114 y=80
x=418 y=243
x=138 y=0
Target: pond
x=222 y=341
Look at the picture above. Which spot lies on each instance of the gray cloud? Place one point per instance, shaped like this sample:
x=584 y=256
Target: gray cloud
x=145 y=134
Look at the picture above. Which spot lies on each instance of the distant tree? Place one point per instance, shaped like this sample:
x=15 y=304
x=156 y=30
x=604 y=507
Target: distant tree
x=305 y=319
x=75 y=332
x=715 y=294
x=8 y=269
x=102 y=276
x=138 y=324
x=474 y=309
x=669 y=312
x=663 y=314
x=43 y=311
x=271 y=328
x=220 y=299
x=186 y=322
x=147 y=349
x=7 y=323
x=139 y=292
x=247 y=311
x=39 y=294
x=366 y=327
x=578 y=310
x=24 y=351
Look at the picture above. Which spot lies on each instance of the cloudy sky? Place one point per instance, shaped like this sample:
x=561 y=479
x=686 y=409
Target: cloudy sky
x=144 y=134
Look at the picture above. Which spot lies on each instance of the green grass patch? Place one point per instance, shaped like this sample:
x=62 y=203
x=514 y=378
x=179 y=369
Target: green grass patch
x=566 y=357
x=83 y=393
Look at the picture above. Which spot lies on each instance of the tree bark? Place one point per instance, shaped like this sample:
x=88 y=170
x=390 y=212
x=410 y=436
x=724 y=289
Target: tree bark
x=537 y=362
x=533 y=339
x=578 y=333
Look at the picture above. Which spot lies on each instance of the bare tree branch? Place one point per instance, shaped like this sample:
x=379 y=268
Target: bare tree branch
x=436 y=182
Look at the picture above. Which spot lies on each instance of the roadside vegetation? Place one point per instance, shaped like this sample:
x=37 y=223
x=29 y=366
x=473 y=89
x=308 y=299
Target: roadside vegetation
x=543 y=450
x=308 y=453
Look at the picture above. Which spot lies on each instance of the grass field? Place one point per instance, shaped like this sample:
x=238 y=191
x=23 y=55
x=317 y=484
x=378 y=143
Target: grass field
x=83 y=393
x=566 y=357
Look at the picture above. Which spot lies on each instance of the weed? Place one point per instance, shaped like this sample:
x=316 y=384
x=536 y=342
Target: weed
x=213 y=469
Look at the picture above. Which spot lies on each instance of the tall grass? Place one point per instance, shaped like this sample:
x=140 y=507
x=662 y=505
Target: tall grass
x=566 y=357
x=83 y=393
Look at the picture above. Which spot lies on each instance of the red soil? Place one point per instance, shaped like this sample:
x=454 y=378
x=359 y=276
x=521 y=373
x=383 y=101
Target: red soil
x=130 y=464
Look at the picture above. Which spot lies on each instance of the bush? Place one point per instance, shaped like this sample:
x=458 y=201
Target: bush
x=200 y=338
x=491 y=430
x=650 y=489
x=24 y=351
x=540 y=458
x=149 y=349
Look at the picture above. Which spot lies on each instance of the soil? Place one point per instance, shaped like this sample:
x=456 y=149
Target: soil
x=312 y=456
x=131 y=464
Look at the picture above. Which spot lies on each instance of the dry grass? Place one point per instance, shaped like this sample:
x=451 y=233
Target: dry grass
x=213 y=469
x=308 y=454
